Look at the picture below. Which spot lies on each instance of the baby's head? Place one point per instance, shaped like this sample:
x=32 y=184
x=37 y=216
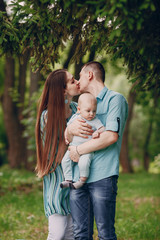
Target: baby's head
x=87 y=106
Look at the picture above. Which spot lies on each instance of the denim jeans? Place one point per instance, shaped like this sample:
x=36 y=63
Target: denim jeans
x=97 y=199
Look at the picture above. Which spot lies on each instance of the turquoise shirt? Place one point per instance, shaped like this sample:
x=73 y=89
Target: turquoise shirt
x=112 y=110
x=56 y=199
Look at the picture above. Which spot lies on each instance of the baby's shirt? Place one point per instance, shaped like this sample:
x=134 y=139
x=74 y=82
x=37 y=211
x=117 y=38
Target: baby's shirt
x=95 y=123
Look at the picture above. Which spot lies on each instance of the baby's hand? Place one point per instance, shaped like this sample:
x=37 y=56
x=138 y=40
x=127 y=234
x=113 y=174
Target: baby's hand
x=66 y=141
x=95 y=134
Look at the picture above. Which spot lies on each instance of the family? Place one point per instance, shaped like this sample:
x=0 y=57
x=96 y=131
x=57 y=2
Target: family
x=79 y=183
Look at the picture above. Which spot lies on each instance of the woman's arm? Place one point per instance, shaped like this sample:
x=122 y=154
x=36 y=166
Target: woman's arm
x=106 y=139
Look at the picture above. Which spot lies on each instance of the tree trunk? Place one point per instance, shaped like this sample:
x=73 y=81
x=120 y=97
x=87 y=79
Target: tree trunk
x=2 y=6
x=124 y=155
x=34 y=80
x=16 y=151
x=71 y=52
x=92 y=54
x=146 y=155
x=79 y=65
x=77 y=68
x=23 y=62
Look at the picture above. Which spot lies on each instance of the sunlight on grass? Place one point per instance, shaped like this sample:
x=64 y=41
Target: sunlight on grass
x=22 y=214
x=138 y=211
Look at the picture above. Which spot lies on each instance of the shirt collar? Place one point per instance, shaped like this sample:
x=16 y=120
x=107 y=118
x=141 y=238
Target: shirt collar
x=102 y=93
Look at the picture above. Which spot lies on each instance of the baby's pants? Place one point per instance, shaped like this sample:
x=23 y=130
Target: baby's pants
x=83 y=164
x=60 y=227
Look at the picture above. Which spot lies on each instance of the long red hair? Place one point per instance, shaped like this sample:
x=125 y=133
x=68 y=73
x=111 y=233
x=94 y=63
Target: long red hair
x=50 y=153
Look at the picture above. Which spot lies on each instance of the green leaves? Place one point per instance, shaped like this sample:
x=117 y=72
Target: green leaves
x=44 y=25
x=9 y=38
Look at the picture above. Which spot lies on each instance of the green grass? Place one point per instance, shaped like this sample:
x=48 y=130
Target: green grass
x=22 y=215
x=138 y=207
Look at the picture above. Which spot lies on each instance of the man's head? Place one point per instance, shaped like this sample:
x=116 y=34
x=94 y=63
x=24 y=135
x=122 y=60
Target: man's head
x=87 y=106
x=91 y=70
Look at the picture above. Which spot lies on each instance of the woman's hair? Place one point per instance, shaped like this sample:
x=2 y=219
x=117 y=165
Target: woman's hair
x=51 y=151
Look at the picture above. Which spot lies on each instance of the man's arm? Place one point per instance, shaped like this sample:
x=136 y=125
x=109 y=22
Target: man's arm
x=115 y=122
x=106 y=139
x=78 y=128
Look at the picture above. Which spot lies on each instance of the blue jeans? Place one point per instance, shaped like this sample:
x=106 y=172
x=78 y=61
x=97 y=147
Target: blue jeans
x=96 y=199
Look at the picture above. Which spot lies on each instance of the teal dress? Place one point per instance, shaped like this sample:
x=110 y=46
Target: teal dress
x=56 y=199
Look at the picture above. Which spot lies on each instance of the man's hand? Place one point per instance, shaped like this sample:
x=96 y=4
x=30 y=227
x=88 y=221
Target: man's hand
x=74 y=156
x=79 y=128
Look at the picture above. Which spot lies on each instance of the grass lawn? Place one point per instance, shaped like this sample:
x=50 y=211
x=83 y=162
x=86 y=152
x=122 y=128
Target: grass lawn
x=22 y=215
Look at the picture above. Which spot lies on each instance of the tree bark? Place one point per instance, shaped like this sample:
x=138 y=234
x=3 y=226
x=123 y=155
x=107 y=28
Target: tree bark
x=2 y=6
x=16 y=151
x=79 y=65
x=146 y=155
x=124 y=154
x=34 y=80
x=23 y=62
x=71 y=52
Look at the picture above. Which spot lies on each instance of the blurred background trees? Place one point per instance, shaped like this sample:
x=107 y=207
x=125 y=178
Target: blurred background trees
x=41 y=35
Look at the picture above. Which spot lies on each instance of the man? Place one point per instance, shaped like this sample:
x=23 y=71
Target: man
x=98 y=196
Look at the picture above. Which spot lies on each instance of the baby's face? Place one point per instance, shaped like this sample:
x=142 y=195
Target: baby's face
x=88 y=110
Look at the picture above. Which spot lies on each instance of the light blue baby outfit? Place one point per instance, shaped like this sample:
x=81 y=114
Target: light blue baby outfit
x=84 y=160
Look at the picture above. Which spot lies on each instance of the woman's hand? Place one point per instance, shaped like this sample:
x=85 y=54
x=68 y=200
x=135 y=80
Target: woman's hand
x=79 y=128
x=73 y=154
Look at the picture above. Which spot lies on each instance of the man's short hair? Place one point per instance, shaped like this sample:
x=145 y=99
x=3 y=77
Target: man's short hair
x=97 y=68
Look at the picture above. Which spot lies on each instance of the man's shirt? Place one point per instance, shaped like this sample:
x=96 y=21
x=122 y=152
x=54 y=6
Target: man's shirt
x=112 y=110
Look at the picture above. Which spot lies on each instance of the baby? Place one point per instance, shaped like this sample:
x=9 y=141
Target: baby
x=87 y=106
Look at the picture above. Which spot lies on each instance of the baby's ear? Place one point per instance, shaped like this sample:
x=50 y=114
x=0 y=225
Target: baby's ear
x=78 y=109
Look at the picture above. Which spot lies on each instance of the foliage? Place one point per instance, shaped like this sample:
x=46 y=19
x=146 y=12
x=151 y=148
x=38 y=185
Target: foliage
x=29 y=121
x=149 y=105
x=22 y=214
x=10 y=37
x=155 y=166
x=138 y=128
x=127 y=29
x=146 y=109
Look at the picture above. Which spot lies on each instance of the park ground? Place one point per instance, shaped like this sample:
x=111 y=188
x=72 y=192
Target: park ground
x=22 y=213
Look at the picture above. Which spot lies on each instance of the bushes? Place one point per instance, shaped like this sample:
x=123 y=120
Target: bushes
x=155 y=165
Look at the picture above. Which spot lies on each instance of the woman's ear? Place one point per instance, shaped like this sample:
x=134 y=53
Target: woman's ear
x=65 y=92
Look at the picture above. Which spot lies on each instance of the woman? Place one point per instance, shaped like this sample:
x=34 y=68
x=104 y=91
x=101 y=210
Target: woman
x=54 y=110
